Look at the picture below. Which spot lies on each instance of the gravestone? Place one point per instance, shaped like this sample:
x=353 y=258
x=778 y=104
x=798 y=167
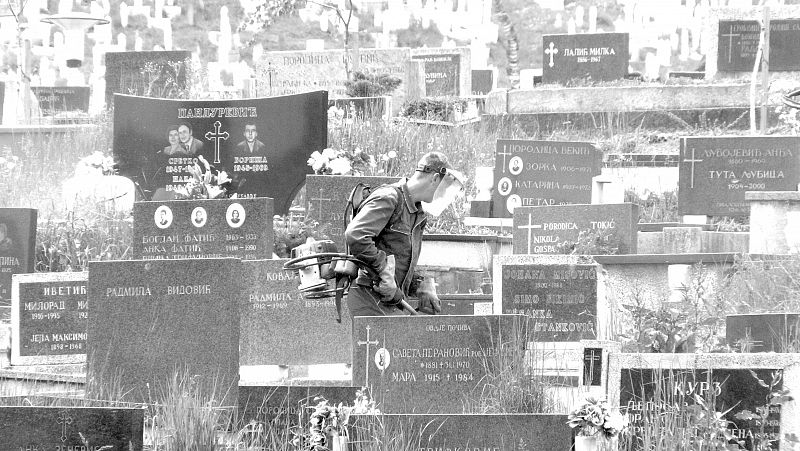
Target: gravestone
x=466 y=432
x=730 y=383
x=49 y=318
x=71 y=428
x=280 y=327
x=326 y=197
x=560 y=293
x=363 y=108
x=738 y=45
x=240 y=228
x=148 y=73
x=279 y=406
x=432 y=364
x=714 y=173
x=482 y=81
x=763 y=332
x=17 y=244
x=537 y=173
x=60 y=99
x=596 y=56
x=546 y=230
x=441 y=74
x=263 y=144
x=151 y=319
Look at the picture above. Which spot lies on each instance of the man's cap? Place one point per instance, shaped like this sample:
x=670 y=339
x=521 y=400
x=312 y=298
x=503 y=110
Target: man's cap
x=434 y=162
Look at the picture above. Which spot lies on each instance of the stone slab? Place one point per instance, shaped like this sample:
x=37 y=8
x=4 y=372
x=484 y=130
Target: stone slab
x=596 y=56
x=763 y=332
x=279 y=406
x=154 y=73
x=17 y=244
x=546 y=230
x=432 y=364
x=60 y=99
x=448 y=71
x=482 y=81
x=153 y=318
x=280 y=327
x=715 y=172
x=738 y=45
x=239 y=228
x=539 y=173
x=71 y=428
x=49 y=318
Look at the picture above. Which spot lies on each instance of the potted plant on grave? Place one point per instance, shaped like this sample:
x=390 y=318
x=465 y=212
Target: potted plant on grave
x=597 y=425
x=327 y=425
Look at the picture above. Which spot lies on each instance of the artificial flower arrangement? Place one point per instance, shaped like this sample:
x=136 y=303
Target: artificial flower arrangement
x=207 y=183
x=597 y=418
x=330 y=421
x=357 y=162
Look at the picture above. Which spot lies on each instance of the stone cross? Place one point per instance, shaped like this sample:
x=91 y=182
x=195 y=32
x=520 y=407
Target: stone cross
x=551 y=50
x=366 y=359
x=530 y=226
x=216 y=136
x=64 y=420
x=693 y=160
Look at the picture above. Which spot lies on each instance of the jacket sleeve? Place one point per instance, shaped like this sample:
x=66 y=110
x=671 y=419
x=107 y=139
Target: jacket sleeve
x=371 y=219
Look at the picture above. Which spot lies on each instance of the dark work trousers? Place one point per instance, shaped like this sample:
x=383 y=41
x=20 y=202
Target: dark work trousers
x=364 y=301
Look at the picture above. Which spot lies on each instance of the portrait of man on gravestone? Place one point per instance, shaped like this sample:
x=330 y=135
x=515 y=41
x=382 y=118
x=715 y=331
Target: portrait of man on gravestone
x=190 y=144
x=515 y=165
x=6 y=244
x=251 y=144
x=163 y=217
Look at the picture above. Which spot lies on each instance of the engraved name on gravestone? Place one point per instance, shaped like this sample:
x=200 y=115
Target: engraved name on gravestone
x=280 y=327
x=60 y=99
x=147 y=73
x=561 y=299
x=470 y=432
x=278 y=407
x=326 y=198
x=153 y=318
x=240 y=228
x=71 y=428
x=733 y=390
x=432 y=364
x=263 y=144
x=763 y=332
x=738 y=45
x=596 y=56
x=714 y=173
x=17 y=244
x=546 y=230
x=49 y=318
x=536 y=173
x=441 y=74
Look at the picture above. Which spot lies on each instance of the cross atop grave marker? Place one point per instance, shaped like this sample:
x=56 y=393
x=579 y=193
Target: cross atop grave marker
x=551 y=50
x=64 y=420
x=693 y=161
x=216 y=136
x=504 y=153
x=320 y=199
x=730 y=37
x=530 y=226
x=366 y=358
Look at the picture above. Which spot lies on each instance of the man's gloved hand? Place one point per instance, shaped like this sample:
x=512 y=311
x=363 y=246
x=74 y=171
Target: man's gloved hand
x=386 y=286
x=428 y=299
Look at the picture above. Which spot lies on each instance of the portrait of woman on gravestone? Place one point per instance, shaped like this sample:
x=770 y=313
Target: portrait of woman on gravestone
x=174 y=146
x=6 y=244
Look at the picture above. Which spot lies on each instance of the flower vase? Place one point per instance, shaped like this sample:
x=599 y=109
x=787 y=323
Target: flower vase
x=338 y=442
x=586 y=443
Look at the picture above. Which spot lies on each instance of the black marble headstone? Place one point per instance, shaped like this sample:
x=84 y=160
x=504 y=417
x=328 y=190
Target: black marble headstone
x=71 y=428
x=280 y=327
x=49 y=318
x=731 y=390
x=596 y=56
x=17 y=244
x=561 y=299
x=147 y=73
x=60 y=99
x=149 y=320
x=156 y=140
x=715 y=172
x=540 y=230
x=432 y=364
x=280 y=406
x=763 y=332
x=537 y=173
x=738 y=45
x=482 y=81
x=240 y=228
x=441 y=74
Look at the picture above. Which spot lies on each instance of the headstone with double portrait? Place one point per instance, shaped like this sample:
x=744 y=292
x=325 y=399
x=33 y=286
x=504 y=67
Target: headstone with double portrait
x=210 y=228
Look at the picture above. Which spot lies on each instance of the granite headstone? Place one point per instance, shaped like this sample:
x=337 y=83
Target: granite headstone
x=326 y=197
x=482 y=81
x=60 y=99
x=763 y=332
x=545 y=230
x=280 y=327
x=432 y=364
x=280 y=406
x=715 y=172
x=240 y=228
x=49 y=318
x=151 y=319
x=147 y=73
x=537 y=173
x=739 y=39
x=263 y=144
x=71 y=428
x=17 y=244
x=596 y=56
x=441 y=74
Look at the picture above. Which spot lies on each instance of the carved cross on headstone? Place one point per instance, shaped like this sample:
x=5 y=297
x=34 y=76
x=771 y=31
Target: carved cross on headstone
x=320 y=199
x=530 y=226
x=592 y=366
x=693 y=160
x=64 y=420
x=730 y=37
x=367 y=342
x=504 y=153
x=551 y=50
x=216 y=136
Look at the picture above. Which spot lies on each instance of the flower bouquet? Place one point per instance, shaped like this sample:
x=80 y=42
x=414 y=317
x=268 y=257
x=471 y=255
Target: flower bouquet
x=596 y=419
x=206 y=183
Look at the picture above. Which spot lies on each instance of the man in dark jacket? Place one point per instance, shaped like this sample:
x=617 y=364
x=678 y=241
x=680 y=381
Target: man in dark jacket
x=386 y=234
